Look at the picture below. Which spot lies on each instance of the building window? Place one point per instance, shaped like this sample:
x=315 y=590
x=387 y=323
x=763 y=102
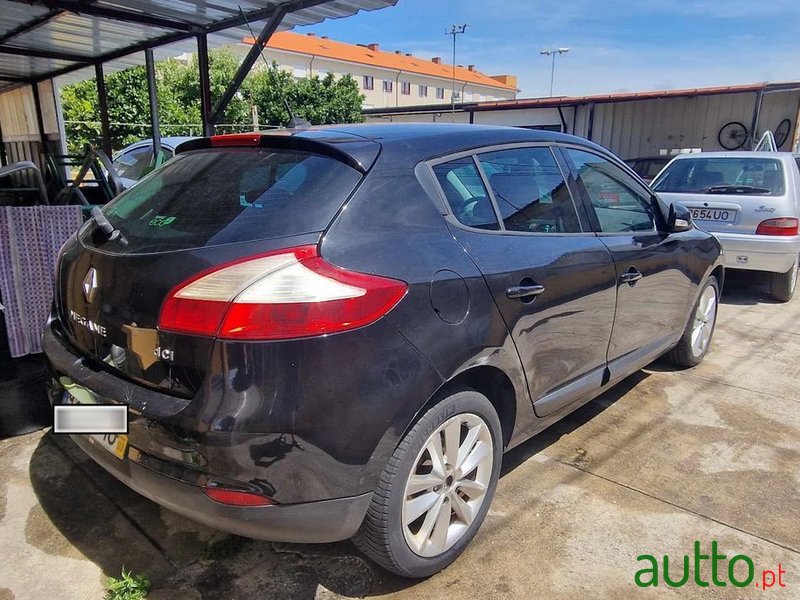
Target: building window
x=440 y=93
x=369 y=82
x=405 y=88
x=388 y=86
x=423 y=91
x=299 y=71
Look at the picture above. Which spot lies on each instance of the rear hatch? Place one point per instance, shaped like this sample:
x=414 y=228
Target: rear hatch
x=727 y=194
x=212 y=205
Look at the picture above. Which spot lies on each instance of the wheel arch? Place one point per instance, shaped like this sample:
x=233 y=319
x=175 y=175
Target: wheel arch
x=487 y=380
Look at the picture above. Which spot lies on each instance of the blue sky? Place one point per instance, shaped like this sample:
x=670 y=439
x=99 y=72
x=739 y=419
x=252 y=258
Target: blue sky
x=614 y=45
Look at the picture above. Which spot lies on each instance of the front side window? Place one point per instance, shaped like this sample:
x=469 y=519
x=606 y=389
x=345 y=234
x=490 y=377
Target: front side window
x=405 y=88
x=440 y=93
x=530 y=191
x=704 y=175
x=468 y=199
x=387 y=85
x=617 y=199
x=369 y=82
x=423 y=91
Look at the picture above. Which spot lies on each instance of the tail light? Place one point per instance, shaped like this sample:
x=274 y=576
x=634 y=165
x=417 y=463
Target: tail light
x=779 y=226
x=286 y=294
x=236 y=497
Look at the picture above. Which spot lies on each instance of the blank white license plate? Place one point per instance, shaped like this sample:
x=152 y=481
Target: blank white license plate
x=721 y=215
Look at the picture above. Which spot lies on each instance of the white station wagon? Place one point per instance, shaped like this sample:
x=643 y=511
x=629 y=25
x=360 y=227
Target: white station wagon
x=750 y=201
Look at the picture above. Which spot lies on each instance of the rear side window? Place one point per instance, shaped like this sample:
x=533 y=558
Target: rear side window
x=220 y=196
x=530 y=191
x=745 y=175
x=466 y=194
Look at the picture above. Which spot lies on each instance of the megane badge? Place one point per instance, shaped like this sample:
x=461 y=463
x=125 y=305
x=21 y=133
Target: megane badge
x=90 y=285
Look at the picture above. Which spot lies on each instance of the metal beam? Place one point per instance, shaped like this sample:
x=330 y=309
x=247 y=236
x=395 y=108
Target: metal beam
x=102 y=101
x=252 y=16
x=205 y=84
x=46 y=54
x=39 y=120
x=151 y=92
x=28 y=26
x=81 y=7
x=756 y=115
x=247 y=64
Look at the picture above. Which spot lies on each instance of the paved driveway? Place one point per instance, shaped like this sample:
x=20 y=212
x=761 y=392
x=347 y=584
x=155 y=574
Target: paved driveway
x=664 y=459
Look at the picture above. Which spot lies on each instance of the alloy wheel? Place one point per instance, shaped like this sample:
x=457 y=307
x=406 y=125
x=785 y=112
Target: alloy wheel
x=704 y=318
x=447 y=485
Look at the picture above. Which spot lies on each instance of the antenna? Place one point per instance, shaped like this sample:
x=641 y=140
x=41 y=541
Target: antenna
x=454 y=31
x=294 y=122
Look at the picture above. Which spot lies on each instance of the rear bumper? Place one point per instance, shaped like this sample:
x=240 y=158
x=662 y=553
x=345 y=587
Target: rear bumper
x=759 y=252
x=308 y=522
x=172 y=469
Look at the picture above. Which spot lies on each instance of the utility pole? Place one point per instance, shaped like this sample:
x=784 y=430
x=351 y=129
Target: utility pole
x=455 y=30
x=553 y=53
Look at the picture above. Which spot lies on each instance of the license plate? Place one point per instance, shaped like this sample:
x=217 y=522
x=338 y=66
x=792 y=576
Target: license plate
x=713 y=214
x=116 y=443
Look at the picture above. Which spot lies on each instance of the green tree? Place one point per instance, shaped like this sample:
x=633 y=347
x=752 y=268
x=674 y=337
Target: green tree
x=319 y=101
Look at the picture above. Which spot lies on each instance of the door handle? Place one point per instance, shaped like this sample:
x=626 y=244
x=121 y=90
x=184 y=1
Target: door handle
x=518 y=292
x=631 y=277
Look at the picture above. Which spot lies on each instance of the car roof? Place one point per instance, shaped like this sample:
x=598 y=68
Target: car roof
x=169 y=141
x=415 y=142
x=735 y=154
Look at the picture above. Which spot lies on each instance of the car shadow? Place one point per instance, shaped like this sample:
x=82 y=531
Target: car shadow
x=85 y=512
x=113 y=526
x=746 y=288
x=540 y=442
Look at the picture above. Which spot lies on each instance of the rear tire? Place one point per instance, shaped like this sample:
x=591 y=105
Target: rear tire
x=696 y=339
x=461 y=432
x=783 y=285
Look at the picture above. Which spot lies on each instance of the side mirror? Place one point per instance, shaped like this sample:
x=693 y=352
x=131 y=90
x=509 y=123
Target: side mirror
x=680 y=219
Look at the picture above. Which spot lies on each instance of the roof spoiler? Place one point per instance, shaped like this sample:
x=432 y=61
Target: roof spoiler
x=360 y=153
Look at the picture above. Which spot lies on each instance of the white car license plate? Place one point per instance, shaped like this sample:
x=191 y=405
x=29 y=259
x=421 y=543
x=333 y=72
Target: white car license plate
x=721 y=215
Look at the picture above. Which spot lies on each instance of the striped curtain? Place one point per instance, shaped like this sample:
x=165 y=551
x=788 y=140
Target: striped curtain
x=30 y=238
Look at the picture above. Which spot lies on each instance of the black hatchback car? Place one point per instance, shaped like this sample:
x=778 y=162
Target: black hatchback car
x=336 y=332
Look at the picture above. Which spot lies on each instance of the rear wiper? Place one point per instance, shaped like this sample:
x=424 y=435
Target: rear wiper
x=106 y=227
x=737 y=189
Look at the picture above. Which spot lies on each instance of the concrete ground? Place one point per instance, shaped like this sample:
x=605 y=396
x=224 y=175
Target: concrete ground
x=666 y=458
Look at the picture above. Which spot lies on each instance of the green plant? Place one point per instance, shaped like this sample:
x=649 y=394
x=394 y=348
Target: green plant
x=127 y=587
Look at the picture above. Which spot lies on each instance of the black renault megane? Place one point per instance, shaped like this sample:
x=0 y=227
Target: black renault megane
x=329 y=333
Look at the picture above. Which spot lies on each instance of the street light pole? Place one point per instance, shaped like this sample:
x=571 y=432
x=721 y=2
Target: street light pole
x=553 y=53
x=454 y=31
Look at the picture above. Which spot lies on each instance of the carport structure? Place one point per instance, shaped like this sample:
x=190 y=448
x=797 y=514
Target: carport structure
x=44 y=39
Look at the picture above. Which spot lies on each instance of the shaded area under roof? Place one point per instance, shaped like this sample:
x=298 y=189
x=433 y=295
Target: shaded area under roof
x=41 y=39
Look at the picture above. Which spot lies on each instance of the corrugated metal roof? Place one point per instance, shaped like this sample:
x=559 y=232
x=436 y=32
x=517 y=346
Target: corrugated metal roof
x=43 y=38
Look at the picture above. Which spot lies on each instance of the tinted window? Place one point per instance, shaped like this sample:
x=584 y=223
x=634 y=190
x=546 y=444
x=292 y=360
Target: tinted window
x=530 y=191
x=723 y=176
x=215 y=196
x=466 y=194
x=132 y=164
x=618 y=201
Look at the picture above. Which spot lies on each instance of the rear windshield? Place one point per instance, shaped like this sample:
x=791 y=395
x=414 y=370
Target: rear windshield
x=219 y=196
x=749 y=176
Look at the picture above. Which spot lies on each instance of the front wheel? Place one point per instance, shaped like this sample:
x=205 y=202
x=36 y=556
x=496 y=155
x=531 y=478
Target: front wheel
x=783 y=285
x=436 y=488
x=696 y=338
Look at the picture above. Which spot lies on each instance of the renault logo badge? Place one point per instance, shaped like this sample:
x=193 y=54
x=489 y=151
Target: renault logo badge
x=90 y=285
